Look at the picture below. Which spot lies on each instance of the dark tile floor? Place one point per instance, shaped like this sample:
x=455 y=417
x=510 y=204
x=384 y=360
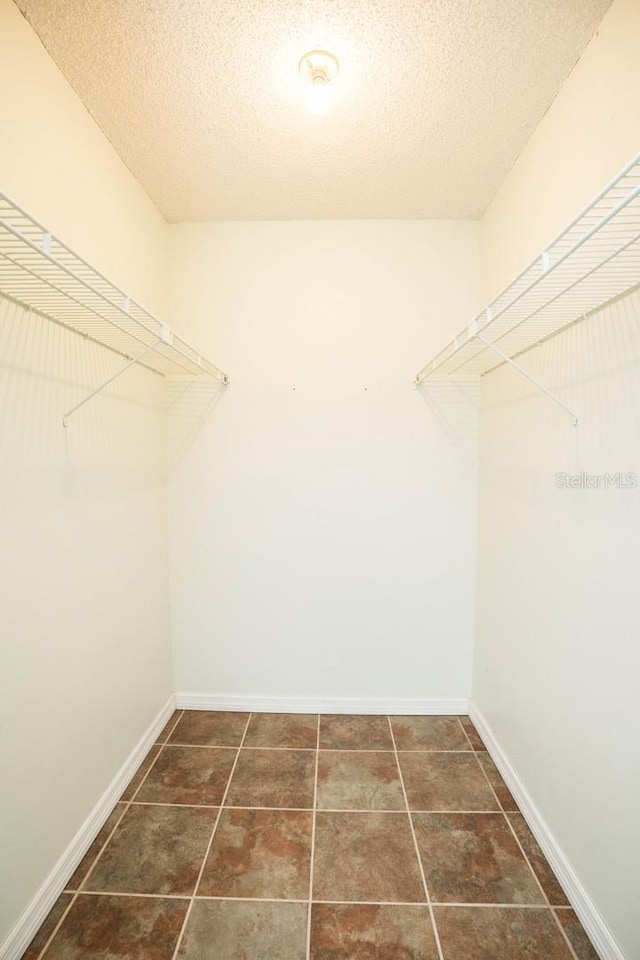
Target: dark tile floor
x=277 y=837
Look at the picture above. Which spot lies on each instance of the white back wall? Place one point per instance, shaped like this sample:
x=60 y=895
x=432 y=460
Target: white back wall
x=556 y=660
x=84 y=660
x=322 y=523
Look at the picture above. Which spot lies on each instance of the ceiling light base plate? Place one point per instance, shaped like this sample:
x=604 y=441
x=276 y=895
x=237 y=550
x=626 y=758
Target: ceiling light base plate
x=318 y=66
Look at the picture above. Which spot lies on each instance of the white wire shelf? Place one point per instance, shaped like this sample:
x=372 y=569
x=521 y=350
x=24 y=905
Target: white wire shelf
x=595 y=259
x=42 y=274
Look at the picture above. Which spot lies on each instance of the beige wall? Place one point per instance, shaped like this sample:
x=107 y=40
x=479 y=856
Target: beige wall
x=84 y=657
x=556 y=655
x=322 y=524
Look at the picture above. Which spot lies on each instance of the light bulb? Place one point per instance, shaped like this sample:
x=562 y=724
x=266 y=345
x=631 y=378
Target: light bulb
x=318 y=97
x=318 y=69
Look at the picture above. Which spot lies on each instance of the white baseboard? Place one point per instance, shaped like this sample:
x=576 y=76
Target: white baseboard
x=29 y=923
x=400 y=706
x=603 y=940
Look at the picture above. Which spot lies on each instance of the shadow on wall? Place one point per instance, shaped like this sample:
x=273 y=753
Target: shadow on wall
x=455 y=404
x=45 y=370
x=190 y=402
x=593 y=367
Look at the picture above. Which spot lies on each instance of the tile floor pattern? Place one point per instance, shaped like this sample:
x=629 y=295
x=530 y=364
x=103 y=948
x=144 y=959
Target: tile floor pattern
x=282 y=837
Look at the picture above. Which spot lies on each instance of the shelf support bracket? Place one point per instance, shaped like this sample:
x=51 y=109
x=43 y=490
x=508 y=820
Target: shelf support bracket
x=103 y=386
x=527 y=376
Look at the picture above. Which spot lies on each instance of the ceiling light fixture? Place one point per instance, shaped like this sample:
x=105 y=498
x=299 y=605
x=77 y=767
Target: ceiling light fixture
x=318 y=68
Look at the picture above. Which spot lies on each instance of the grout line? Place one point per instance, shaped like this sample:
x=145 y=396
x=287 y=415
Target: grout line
x=390 y=811
x=565 y=935
x=74 y=897
x=400 y=811
x=254 y=899
x=179 y=716
x=124 y=812
x=542 y=890
x=313 y=841
x=206 y=746
x=350 y=903
x=74 y=894
x=417 y=849
x=188 y=806
x=226 y=746
x=501 y=808
x=233 y=806
x=400 y=750
x=127 y=804
x=526 y=858
x=574 y=954
x=133 y=896
x=163 y=746
x=294 y=749
x=467 y=737
x=438 y=903
x=481 y=749
x=206 y=853
x=500 y=906
x=355 y=750
x=464 y=753
x=454 y=811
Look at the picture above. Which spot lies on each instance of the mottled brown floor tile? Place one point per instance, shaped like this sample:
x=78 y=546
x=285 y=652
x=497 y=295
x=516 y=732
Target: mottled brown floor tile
x=119 y=928
x=155 y=850
x=210 y=729
x=273 y=778
x=365 y=856
x=47 y=927
x=259 y=853
x=538 y=861
x=358 y=780
x=141 y=773
x=338 y=732
x=445 y=781
x=473 y=858
x=292 y=730
x=189 y=775
x=502 y=791
x=428 y=733
x=578 y=939
x=237 y=930
x=90 y=856
x=163 y=736
x=499 y=933
x=366 y=932
x=472 y=733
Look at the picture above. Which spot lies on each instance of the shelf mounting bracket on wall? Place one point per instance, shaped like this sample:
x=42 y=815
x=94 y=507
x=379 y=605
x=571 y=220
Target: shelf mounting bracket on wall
x=516 y=366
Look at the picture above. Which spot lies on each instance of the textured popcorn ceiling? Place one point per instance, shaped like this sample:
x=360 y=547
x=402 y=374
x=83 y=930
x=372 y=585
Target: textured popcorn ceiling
x=202 y=98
